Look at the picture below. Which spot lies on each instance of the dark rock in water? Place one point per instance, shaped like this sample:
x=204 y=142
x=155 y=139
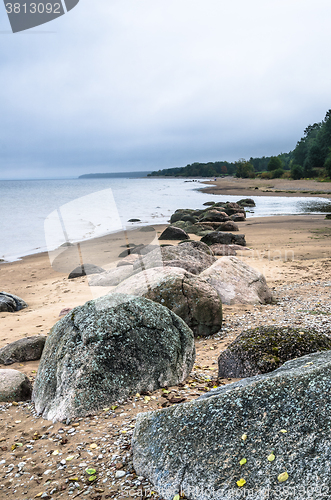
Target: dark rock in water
x=246 y=202
x=228 y=226
x=134 y=220
x=196 y=447
x=209 y=203
x=11 y=303
x=85 y=270
x=27 y=349
x=108 y=349
x=224 y=238
x=238 y=217
x=184 y=256
x=174 y=233
x=14 y=386
x=237 y=283
x=265 y=348
x=198 y=245
x=223 y=250
x=190 y=297
x=177 y=216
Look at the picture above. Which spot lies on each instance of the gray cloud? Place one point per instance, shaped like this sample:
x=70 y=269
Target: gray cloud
x=137 y=85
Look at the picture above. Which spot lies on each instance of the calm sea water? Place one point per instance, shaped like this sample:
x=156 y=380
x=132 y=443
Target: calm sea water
x=40 y=214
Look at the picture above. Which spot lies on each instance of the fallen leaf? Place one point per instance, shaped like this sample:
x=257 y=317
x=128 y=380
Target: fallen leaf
x=241 y=482
x=105 y=409
x=283 y=477
x=55 y=452
x=39 y=494
x=90 y=471
x=114 y=407
x=137 y=395
x=176 y=497
x=243 y=461
x=14 y=403
x=271 y=457
x=244 y=437
x=93 y=446
x=92 y=478
x=284 y=431
x=147 y=398
x=73 y=478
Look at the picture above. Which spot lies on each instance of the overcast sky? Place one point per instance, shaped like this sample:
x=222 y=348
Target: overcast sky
x=124 y=85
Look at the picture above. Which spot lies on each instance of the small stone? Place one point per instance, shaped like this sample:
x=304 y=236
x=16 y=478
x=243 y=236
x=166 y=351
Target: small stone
x=119 y=474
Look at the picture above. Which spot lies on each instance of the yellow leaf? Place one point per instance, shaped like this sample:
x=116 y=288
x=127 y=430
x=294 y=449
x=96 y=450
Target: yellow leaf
x=123 y=432
x=105 y=409
x=283 y=477
x=153 y=397
x=165 y=391
x=244 y=437
x=73 y=478
x=71 y=457
x=14 y=403
x=39 y=494
x=241 y=482
x=243 y=461
x=114 y=407
x=137 y=395
x=271 y=457
x=284 y=431
x=55 y=452
x=147 y=398
x=176 y=497
x=214 y=386
x=93 y=446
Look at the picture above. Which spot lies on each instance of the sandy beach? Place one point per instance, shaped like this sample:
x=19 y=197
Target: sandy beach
x=293 y=252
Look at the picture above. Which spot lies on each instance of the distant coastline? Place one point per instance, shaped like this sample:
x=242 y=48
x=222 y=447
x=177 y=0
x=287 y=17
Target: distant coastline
x=116 y=175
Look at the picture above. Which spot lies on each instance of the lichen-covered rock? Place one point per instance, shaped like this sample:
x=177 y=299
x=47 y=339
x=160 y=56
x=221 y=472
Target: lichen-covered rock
x=196 y=447
x=108 y=349
x=11 y=303
x=184 y=256
x=85 y=270
x=14 y=386
x=265 y=348
x=174 y=233
x=27 y=349
x=238 y=283
x=224 y=238
x=190 y=297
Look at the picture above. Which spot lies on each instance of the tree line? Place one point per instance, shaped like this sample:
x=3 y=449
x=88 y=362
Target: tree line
x=310 y=158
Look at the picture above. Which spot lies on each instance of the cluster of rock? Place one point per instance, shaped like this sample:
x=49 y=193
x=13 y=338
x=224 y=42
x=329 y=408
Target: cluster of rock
x=11 y=303
x=220 y=216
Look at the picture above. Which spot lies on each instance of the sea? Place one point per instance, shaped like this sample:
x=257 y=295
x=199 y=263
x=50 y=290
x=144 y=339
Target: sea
x=40 y=215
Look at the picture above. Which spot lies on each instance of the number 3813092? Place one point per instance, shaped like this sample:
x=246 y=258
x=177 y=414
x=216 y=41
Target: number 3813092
x=33 y=8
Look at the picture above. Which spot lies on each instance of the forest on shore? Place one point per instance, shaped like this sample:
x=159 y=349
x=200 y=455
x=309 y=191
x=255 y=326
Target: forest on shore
x=311 y=158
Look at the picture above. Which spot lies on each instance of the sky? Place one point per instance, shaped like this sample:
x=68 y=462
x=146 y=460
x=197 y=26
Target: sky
x=126 y=85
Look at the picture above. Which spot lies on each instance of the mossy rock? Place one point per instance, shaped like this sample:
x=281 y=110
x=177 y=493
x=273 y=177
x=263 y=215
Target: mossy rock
x=265 y=348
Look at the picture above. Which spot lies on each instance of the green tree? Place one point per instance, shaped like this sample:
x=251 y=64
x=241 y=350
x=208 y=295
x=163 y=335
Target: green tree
x=274 y=164
x=245 y=169
x=296 y=172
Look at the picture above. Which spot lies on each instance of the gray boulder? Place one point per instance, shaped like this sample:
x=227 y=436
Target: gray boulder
x=112 y=277
x=27 y=349
x=223 y=250
x=224 y=238
x=11 y=303
x=190 y=297
x=265 y=348
x=14 y=386
x=238 y=217
x=246 y=202
x=202 y=247
x=85 y=270
x=174 y=233
x=186 y=257
x=214 y=215
x=284 y=418
x=109 y=349
x=228 y=226
x=238 y=283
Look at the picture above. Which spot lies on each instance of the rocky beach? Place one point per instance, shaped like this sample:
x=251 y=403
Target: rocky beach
x=107 y=451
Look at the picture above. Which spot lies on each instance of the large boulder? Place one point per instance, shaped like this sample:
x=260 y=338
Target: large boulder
x=238 y=283
x=174 y=233
x=11 y=303
x=224 y=238
x=109 y=349
x=223 y=250
x=228 y=226
x=265 y=348
x=112 y=277
x=202 y=247
x=278 y=422
x=14 y=386
x=85 y=270
x=246 y=202
x=184 y=256
x=214 y=216
x=27 y=349
x=190 y=297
